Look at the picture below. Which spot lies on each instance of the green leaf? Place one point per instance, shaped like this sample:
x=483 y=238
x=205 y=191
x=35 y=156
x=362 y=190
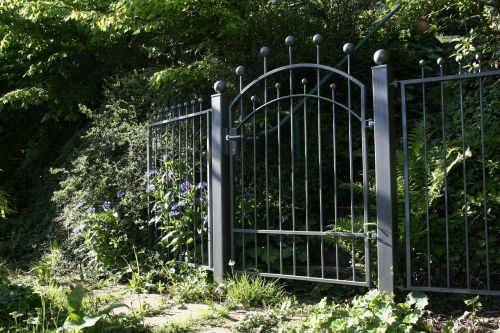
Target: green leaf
x=86 y=322
x=107 y=310
x=75 y=298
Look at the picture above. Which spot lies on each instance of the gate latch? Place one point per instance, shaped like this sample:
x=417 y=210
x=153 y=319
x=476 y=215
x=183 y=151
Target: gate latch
x=370 y=123
x=372 y=234
x=233 y=137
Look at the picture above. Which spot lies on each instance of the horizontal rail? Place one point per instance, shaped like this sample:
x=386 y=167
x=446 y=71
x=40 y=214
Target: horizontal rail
x=306 y=278
x=187 y=116
x=453 y=290
x=455 y=77
x=300 y=233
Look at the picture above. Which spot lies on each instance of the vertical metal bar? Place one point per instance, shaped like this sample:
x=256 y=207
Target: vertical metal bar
x=200 y=176
x=406 y=188
x=179 y=151
x=351 y=166
x=254 y=99
x=385 y=172
x=335 y=198
x=264 y=51
x=240 y=71
x=278 y=86
x=289 y=42
x=193 y=145
x=426 y=177
x=149 y=162
x=445 y=172
x=317 y=40
x=364 y=153
x=306 y=176
x=186 y=158
x=220 y=183
x=464 y=168
x=483 y=162
x=210 y=227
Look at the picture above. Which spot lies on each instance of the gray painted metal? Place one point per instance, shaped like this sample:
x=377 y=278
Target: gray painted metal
x=220 y=201
x=385 y=173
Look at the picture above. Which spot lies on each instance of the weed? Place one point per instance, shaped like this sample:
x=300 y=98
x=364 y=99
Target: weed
x=253 y=291
x=177 y=327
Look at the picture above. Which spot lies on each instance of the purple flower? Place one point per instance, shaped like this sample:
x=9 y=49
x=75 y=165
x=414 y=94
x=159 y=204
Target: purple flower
x=150 y=174
x=185 y=187
x=174 y=213
x=202 y=185
x=204 y=219
x=120 y=194
x=150 y=188
x=78 y=205
x=203 y=198
x=78 y=229
x=106 y=205
x=175 y=207
x=91 y=210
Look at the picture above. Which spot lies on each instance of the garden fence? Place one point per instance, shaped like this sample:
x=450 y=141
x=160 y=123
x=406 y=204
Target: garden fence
x=291 y=191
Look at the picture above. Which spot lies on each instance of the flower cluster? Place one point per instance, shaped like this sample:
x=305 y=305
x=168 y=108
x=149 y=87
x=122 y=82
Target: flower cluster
x=106 y=205
x=185 y=187
x=202 y=185
x=150 y=188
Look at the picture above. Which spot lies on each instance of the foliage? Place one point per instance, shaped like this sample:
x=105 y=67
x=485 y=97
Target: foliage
x=253 y=291
x=264 y=321
x=372 y=312
x=189 y=284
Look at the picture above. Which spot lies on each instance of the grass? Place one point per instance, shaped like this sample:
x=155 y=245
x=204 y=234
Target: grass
x=253 y=291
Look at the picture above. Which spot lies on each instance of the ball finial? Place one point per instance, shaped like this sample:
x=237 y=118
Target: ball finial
x=186 y=103
x=348 y=48
x=333 y=86
x=380 y=57
x=193 y=102
x=317 y=39
x=253 y=98
x=240 y=70
x=200 y=100
x=219 y=87
x=304 y=81
x=179 y=106
x=289 y=40
x=421 y=63
x=440 y=61
x=479 y=57
x=277 y=85
x=264 y=51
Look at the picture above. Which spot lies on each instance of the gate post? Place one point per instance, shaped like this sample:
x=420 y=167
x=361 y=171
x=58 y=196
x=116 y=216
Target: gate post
x=220 y=180
x=385 y=173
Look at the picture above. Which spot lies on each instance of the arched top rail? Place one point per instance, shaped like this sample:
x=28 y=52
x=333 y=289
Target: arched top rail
x=290 y=67
x=275 y=100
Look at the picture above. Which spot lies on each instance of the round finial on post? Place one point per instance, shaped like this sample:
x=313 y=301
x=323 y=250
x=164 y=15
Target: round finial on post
x=317 y=39
x=380 y=57
x=193 y=102
x=348 y=48
x=240 y=70
x=253 y=98
x=219 y=87
x=333 y=86
x=421 y=63
x=179 y=106
x=186 y=103
x=277 y=85
x=200 y=100
x=289 y=40
x=264 y=51
x=440 y=61
x=304 y=81
x=479 y=57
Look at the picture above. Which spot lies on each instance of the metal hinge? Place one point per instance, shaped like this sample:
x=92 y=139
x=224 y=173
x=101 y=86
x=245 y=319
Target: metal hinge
x=370 y=123
x=371 y=234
